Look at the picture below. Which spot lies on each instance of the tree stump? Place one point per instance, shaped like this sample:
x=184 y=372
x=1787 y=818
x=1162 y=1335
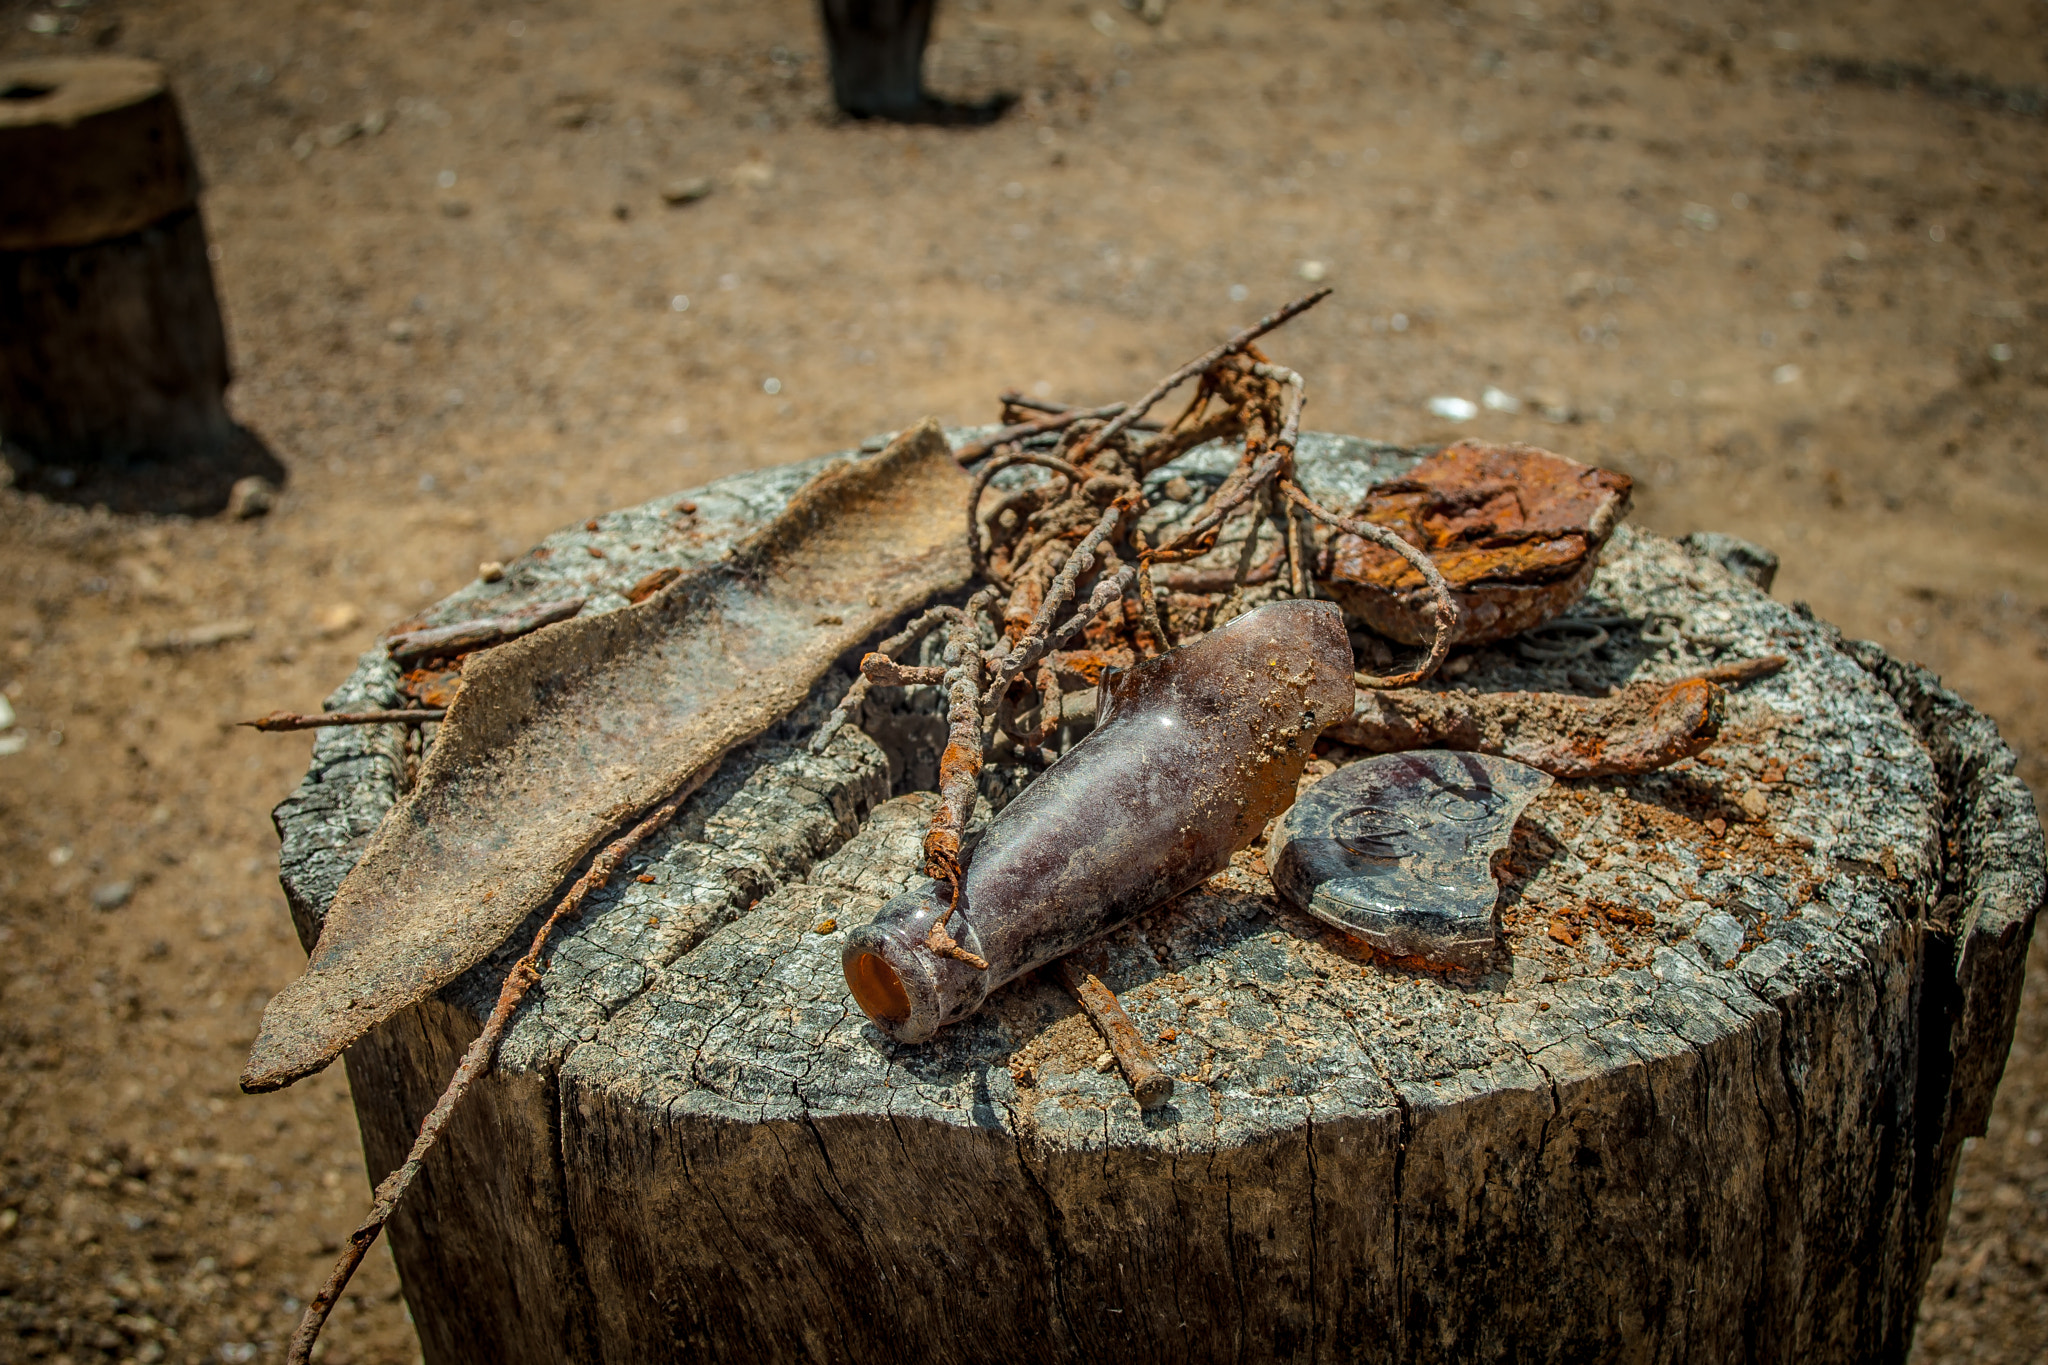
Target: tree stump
x=111 y=346
x=1706 y=1104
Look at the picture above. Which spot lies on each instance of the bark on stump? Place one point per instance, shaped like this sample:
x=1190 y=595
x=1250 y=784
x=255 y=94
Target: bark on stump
x=1707 y=1106
x=111 y=346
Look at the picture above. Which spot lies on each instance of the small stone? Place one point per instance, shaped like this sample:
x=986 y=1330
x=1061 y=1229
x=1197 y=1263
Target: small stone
x=1452 y=408
x=680 y=192
x=826 y=926
x=112 y=895
x=1177 y=489
x=1105 y=1062
x=251 y=497
x=1754 y=804
x=490 y=571
x=338 y=619
x=6 y=713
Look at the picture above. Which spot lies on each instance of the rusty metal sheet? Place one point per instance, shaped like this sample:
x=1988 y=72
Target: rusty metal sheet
x=1516 y=531
x=559 y=737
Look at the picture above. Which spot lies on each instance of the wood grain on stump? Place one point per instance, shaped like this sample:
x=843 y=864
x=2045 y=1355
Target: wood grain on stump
x=1705 y=1105
x=111 y=345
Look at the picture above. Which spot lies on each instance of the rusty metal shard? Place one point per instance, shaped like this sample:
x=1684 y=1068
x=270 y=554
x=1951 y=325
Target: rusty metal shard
x=559 y=737
x=1398 y=851
x=1516 y=530
x=1643 y=727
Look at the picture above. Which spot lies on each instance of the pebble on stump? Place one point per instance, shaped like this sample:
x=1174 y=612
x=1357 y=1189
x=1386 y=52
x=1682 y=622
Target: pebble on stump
x=111 y=344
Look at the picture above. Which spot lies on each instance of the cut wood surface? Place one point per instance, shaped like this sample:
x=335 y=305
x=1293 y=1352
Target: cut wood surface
x=1705 y=1105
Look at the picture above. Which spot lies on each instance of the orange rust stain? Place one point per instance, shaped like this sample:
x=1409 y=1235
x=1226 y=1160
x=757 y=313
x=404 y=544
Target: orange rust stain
x=1088 y=665
x=432 y=686
x=652 y=584
x=958 y=761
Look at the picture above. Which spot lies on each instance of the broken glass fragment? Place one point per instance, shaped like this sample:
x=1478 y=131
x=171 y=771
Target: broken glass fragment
x=1398 y=851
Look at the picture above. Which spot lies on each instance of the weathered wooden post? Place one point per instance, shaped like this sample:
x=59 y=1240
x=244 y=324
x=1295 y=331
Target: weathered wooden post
x=111 y=345
x=1705 y=1104
x=877 y=55
x=877 y=51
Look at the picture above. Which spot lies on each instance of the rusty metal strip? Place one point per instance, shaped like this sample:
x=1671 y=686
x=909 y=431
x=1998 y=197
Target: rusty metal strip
x=559 y=738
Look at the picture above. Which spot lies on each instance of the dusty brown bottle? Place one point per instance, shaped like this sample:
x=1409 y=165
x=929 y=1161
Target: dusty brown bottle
x=1193 y=752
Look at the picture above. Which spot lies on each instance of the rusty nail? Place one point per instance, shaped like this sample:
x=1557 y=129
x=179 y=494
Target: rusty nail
x=1151 y=1086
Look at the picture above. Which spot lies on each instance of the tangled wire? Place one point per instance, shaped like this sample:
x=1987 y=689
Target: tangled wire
x=1076 y=537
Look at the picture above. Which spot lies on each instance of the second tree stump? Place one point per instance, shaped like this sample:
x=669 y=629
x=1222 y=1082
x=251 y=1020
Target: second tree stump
x=111 y=345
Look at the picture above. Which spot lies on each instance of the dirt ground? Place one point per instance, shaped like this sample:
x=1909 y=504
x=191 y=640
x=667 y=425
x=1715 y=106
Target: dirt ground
x=1786 y=263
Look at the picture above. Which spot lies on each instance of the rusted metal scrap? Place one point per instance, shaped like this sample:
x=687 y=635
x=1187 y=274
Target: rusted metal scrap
x=1643 y=727
x=558 y=738
x=1516 y=530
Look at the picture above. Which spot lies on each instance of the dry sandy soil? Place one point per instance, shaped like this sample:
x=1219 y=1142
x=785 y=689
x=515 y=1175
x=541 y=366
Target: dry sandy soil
x=1800 y=294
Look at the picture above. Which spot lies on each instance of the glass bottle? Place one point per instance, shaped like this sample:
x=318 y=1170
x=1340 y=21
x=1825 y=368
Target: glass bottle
x=1192 y=754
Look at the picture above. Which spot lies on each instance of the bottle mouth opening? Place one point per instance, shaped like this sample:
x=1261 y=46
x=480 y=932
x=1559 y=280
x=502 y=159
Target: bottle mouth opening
x=877 y=989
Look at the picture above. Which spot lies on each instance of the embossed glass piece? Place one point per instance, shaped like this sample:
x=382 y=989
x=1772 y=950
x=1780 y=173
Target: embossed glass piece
x=1398 y=850
x=1193 y=753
